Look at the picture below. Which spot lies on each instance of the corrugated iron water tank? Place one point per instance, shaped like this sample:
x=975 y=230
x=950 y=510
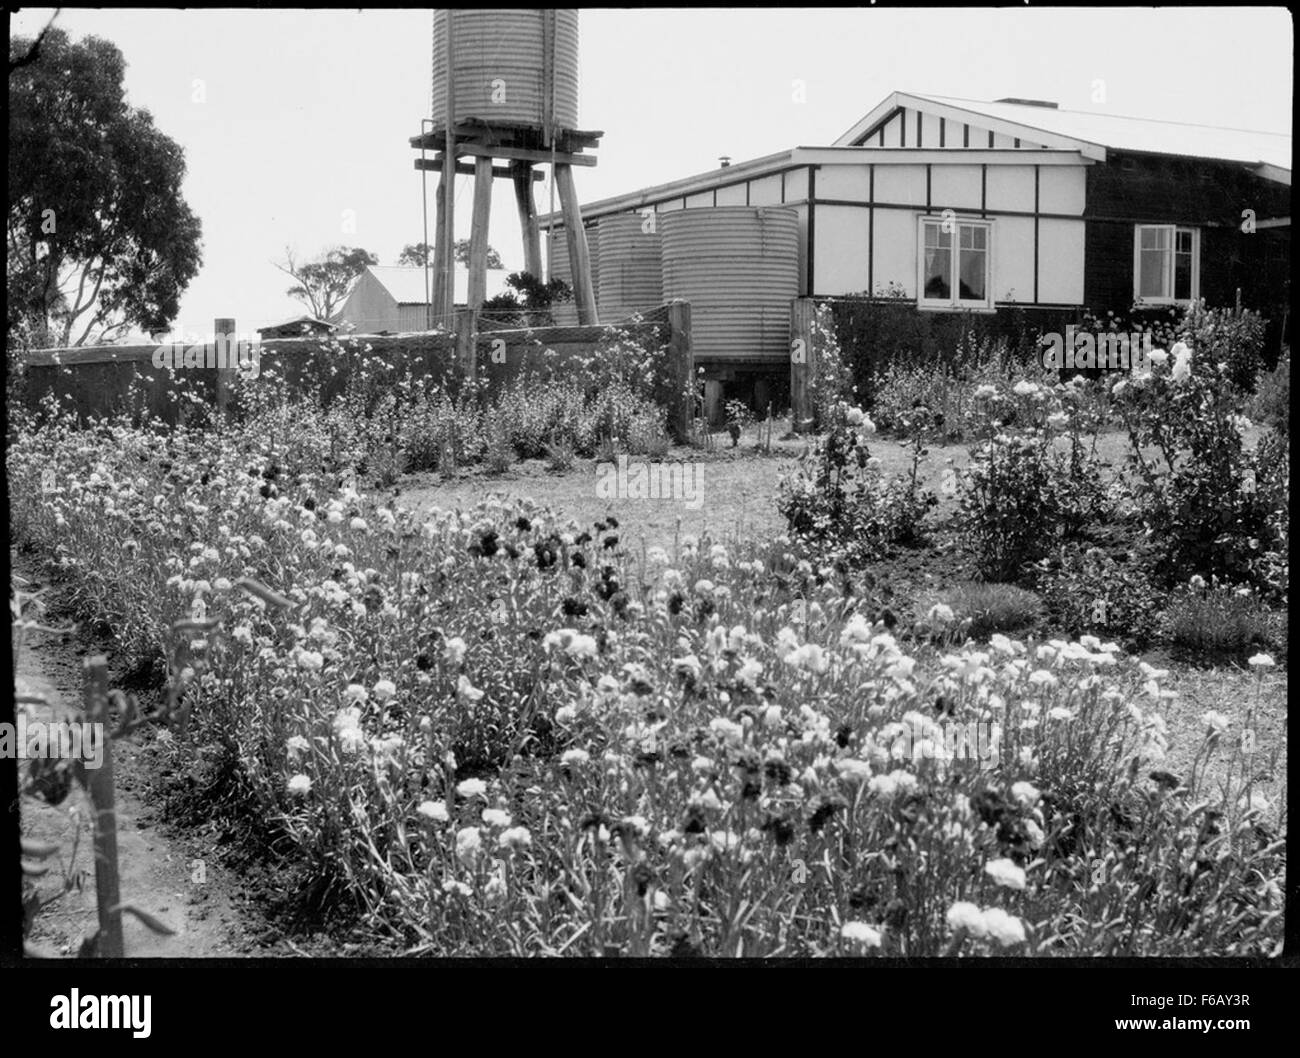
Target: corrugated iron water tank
x=631 y=266
x=504 y=63
x=557 y=267
x=738 y=266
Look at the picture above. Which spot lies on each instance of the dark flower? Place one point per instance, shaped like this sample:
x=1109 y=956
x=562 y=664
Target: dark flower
x=423 y=663
x=523 y=524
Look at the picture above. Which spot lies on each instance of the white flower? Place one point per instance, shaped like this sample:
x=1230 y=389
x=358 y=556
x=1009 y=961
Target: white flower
x=515 y=838
x=1003 y=928
x=1261 y=661
x=467 y=690
x=471 y=788
x=1004 y=872
x=300 y=785
x=1025 y=388
x=575 y=756
x=1216 y=722
x=347 y=726
x=311 y=660
x=496 y=817
x=1026 y=793
x=861 y=933
x=469 y=842
x=964 y=915
x=385 y=689
x=434 y=810
x=453 y=651
x=297 y=745
x=941 y=614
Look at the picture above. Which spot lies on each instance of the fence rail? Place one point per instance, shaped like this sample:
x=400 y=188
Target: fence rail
x=104 y=380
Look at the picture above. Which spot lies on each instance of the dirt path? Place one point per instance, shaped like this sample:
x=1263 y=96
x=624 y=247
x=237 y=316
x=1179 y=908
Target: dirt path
x=160 y=872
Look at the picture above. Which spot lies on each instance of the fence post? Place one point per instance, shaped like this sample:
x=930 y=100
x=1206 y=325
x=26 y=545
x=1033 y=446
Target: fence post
x=803 y=365
x=108 y=895
x=466 y=341
x=682 y=357
x=223 y=338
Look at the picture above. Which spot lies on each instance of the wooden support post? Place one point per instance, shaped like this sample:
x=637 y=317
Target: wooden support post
x=224 y=351
x=681 y=412
x=579 y=258
x=447 y=261
x=523 y=173
x=99 y=782
x=466 y=340
x=478 y=233
x=440 y=237
x=803 y=365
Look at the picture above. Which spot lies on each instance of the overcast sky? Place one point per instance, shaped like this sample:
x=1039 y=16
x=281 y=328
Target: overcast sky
x=308 y=113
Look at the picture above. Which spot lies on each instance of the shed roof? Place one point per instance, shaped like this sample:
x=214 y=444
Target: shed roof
x=406 y=284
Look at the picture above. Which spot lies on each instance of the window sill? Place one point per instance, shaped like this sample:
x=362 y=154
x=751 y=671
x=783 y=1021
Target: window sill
x=948 y=306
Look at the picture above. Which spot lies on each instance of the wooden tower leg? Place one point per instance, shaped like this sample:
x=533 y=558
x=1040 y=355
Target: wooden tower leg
x=523 y=179
x=440 y=239
x=579 y=258
x=478 y=233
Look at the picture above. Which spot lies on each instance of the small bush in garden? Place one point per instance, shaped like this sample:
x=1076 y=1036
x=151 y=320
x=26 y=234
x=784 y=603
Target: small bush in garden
x=1209 y=506
x=832 y=382
x=1216 y=621
x=1013 y=501
x=1092 y=593
x=1271 y=404
x=499 y=455
x=738 y=416
x=991 y=608
x=838 y=504
x=1227 y=337
x=559 y=456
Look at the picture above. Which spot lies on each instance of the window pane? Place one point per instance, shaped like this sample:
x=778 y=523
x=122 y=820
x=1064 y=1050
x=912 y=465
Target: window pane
x=979 y=237
x=936 y=237
x=1155 y=238
x=1183 y=275
x=1151 y=274
x=1184 y=240
x=974 y=264
x=938 y=271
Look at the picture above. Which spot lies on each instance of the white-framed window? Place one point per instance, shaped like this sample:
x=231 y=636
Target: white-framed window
x=954 y=263
x=1166 y=264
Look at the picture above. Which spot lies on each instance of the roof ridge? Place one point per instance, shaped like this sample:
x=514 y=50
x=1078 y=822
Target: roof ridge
x=1102 y=114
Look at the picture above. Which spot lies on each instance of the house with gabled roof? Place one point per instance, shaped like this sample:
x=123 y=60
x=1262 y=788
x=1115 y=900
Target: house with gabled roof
x=961 y=205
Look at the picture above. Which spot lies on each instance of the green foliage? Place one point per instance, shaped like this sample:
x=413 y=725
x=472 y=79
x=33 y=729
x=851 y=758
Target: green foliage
x=1217 y=622
x=991 y=607
x=100 y=237
x=1271 y=403
x=1092 y=592
x=323 y=284
x=1196 y=487
x=529 y=301
x=839 y=506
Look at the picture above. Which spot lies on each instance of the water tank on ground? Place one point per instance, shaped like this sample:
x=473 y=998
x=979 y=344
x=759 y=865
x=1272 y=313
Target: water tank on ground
x=631 y=266
x=738 y=266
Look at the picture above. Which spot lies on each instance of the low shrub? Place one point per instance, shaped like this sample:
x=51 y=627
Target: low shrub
x=1217 y=621
x=839 y=506
x=986 y=608
x=1093 y=593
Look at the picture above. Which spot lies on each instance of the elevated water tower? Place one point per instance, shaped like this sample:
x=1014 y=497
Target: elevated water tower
x=505 y=88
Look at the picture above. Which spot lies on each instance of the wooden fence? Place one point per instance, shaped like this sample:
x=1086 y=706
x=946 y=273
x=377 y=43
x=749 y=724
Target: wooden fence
x=136 y=379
